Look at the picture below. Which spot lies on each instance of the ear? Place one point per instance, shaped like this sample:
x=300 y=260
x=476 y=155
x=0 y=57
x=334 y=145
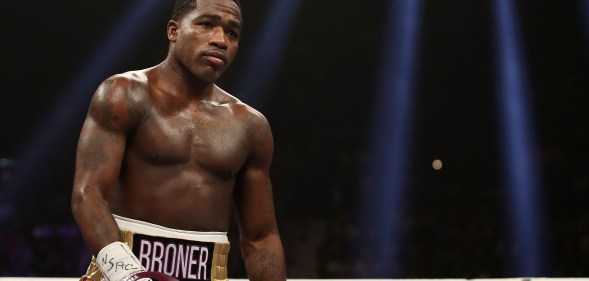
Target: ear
x=173 y=27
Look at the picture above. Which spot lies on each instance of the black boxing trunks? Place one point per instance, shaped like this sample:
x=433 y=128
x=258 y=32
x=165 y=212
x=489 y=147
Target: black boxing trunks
x=185 y=255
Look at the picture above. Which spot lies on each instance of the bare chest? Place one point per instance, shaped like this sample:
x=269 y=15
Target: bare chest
x=210 y=140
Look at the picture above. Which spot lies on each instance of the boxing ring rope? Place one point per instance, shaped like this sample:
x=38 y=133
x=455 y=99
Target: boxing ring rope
x=444 y=279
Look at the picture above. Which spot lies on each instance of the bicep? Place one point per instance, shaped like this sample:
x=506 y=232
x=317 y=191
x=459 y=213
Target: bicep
x=101 y=146
x=99 y=157
x=254 y=205
x=253 y=194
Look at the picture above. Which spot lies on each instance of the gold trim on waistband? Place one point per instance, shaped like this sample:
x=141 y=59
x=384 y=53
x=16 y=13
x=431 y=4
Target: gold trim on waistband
x=220 y=257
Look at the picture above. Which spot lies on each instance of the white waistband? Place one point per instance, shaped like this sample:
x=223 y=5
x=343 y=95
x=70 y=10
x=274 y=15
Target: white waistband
x=146 y=228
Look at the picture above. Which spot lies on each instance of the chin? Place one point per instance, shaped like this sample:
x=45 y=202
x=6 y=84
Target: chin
x=208 y=76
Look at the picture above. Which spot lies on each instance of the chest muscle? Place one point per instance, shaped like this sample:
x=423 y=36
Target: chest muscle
x=193 y=140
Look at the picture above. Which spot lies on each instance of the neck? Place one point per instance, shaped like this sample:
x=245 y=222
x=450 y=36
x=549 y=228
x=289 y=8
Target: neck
x=174 y=79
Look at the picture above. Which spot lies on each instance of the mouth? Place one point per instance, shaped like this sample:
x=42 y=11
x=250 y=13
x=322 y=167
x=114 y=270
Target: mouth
x=216 y=57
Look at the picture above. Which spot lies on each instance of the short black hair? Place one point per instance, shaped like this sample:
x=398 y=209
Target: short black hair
x=183 y=7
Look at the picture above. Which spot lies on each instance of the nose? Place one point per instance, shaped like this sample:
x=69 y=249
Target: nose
x=218 y=38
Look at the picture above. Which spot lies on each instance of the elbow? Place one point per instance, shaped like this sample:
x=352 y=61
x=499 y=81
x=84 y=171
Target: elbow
x=79 y=197
x=88 y=197
x=261 y=240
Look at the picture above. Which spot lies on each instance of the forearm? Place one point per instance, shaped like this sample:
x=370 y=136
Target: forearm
x=95 y=222
x=114 y=258
x=264 y=259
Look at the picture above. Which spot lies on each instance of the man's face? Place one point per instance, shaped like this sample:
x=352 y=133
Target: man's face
x=205 y=41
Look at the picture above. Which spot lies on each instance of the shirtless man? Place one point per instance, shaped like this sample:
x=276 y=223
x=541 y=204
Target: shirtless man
x=164 y=155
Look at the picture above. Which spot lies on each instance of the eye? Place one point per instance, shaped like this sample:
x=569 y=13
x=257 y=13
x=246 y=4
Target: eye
x=206 y=24
x=233 y=34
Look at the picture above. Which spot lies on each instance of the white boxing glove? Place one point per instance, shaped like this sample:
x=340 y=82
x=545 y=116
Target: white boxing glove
x=117 y=261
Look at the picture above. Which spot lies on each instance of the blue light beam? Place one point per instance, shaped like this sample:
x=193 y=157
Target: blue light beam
x=386 y=196
x=43 y=143
x=261 y=68
x=518 y=144
x=583 y=8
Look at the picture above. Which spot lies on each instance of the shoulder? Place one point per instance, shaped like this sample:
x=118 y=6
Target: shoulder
x=121 y=100
x=257 y=128
x=131 y=83
x=251 y=118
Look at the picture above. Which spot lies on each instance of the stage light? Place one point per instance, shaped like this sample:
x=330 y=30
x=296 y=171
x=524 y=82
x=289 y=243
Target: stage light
x=264 y=60
x=45 y=141
x=437 y=164
x=385 y=195
x=583 y=7
x=518 y=143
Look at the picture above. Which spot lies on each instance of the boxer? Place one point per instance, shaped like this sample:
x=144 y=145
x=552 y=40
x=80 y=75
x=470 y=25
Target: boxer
x=166 y=156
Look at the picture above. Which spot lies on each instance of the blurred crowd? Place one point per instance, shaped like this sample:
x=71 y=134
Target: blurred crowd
x=446 y=231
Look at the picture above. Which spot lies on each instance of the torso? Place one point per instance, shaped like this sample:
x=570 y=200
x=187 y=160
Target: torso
x=182 y=159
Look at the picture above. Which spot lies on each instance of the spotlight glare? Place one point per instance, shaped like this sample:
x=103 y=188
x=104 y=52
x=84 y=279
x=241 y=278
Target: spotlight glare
x=264 y=61
x=384 y=208
x=46 y=140
x=517 y=142
x=437 y=164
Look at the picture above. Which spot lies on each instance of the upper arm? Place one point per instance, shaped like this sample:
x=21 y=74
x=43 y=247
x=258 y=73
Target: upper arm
x=112 y=114
x=253 y=193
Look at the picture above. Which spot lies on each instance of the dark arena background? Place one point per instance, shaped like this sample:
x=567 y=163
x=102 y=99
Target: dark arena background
x=413 y=138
